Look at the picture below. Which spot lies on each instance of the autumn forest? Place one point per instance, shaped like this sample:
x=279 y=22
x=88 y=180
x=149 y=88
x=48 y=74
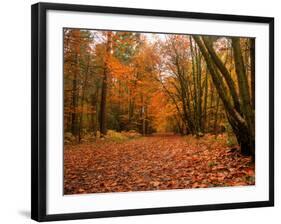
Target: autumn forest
x=149 y=111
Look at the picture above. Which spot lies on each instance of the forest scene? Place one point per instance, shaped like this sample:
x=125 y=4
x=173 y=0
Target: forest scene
x=153 y=111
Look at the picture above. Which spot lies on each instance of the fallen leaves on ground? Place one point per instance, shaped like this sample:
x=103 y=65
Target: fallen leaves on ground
x=154 y=163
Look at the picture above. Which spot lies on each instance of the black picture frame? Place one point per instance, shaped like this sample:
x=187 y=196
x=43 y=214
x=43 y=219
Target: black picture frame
x=38 y=108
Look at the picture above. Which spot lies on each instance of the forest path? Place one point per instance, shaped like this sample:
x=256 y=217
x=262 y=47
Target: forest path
x=154 y=163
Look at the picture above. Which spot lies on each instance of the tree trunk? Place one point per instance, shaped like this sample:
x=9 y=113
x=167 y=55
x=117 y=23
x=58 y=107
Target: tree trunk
x=195 y=86
x=97 y=111
x=205 y=103
x=103 y=120
x=244 y=94
x=215 y=128
x=198 y=113
x=74 y=122
x=143 y=116
x=84 y=87
x=211 y=105
x=103 y=128
x=74 y=118
x=253 y=69
x=226 y=74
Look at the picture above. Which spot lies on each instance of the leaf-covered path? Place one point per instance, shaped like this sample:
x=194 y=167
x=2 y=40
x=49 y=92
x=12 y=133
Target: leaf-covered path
x=156 y=162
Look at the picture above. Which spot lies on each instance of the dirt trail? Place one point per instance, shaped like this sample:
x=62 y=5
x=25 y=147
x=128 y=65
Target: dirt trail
x=156 y=162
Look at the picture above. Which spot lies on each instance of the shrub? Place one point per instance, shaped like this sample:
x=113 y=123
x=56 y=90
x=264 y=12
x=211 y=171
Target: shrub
x=88 y=137
x=231 y=140
x=115 y=136
x=211 y=164
x=131 y=134
x=69 y=138
x=122 y=136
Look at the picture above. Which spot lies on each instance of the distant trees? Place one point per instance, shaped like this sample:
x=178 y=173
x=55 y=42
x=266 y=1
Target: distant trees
x=108 y=82
x=186 y=84
x=77 y=67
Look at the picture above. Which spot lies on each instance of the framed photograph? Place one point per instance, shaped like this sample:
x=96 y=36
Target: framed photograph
x=139 y=111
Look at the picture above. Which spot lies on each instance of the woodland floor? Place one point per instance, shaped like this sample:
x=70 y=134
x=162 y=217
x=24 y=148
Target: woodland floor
x=154 y=163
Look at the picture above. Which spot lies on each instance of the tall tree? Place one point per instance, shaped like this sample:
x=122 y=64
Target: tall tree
x=103 y=120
